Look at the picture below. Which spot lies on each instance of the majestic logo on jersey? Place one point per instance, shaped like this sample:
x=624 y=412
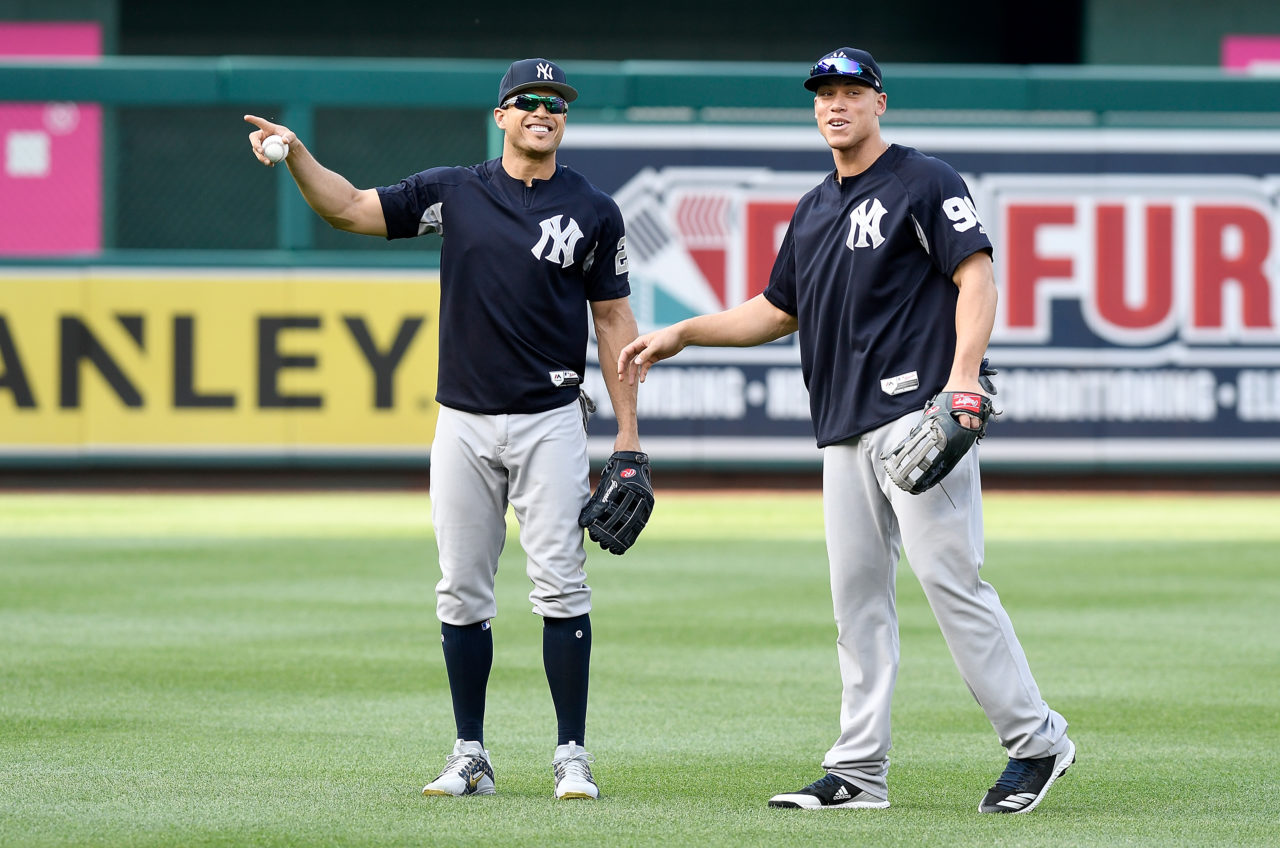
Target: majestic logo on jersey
x=564 y=378
x=900 y=383
x=562 y=241
x=544 y=71
x=864 y=225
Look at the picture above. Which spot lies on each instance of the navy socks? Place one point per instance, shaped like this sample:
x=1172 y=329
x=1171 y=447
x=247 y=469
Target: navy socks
x=468 y=658
x=566 y=656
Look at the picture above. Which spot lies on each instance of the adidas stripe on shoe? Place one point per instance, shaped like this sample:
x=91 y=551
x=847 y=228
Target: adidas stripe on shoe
x=1024 y=782
x=466 y=772
x=829 y=793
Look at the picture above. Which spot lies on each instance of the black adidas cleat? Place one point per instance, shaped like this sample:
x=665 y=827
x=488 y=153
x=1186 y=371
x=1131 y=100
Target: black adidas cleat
x=1024 y=783
x=829 y=793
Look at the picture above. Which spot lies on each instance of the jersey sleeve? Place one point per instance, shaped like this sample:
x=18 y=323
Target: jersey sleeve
x=608 y=276
x=415 y=205
x=781 y=291
x=945 y=216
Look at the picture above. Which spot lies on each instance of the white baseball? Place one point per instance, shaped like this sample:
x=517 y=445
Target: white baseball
x=274 y=148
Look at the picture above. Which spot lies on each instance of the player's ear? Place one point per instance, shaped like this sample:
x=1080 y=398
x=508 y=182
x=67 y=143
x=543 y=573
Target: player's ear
x=883 y=103
x=499 y=115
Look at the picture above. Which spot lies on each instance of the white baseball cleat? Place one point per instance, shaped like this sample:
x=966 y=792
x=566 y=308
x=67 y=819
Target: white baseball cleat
x=572 y=768
x=466 y=772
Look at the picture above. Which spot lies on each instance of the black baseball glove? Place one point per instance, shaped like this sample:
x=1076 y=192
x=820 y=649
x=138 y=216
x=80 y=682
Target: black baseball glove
x=938 y=442
x=620 y=507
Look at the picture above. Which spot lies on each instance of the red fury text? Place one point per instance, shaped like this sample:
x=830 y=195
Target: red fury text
x=1143 y=269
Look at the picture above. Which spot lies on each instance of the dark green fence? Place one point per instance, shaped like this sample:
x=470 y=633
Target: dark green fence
x=178 y=175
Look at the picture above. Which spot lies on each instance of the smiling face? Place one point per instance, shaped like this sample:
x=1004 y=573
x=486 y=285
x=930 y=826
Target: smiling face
x=530 y=135
x=848 y=115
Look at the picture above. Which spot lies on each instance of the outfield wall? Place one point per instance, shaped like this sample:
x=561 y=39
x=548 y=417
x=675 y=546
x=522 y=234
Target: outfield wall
x=1134 y=214
x=182 y=363
x=1139 y=317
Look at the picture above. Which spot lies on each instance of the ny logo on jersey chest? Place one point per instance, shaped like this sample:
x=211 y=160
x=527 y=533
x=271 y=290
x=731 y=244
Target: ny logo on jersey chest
x=562 y=240
x=864 y=225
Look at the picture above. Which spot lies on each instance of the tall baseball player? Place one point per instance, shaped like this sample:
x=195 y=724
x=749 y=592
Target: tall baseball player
x=886 y=273
x=528 y=245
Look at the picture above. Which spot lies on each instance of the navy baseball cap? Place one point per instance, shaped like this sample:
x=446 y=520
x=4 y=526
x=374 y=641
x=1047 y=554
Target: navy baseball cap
x=848 y=64
x=528 y=74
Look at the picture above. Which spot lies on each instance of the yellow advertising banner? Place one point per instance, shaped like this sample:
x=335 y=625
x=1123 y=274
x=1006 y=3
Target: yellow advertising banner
x=199 y=361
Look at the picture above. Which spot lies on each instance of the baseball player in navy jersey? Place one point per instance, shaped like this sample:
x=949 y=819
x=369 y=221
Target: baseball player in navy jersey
x=529 y=247
x=886 y=274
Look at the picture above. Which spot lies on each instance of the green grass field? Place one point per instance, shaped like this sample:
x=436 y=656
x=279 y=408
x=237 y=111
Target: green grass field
x=264 y=669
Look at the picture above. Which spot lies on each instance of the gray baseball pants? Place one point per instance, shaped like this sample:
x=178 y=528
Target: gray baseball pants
x=537 y=463
x=868 y=520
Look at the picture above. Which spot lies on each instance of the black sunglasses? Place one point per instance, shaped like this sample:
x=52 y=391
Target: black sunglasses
x=531 y=102
x=844 y=67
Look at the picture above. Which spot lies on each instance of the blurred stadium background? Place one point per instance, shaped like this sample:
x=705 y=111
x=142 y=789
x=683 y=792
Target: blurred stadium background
x=168 y=307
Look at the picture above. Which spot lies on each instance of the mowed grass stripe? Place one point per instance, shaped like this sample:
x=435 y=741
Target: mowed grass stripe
x=264 y=669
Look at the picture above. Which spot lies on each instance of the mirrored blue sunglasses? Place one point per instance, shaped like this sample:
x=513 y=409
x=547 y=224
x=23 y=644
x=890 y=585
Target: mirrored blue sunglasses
x=844 y=67
x=531 y=102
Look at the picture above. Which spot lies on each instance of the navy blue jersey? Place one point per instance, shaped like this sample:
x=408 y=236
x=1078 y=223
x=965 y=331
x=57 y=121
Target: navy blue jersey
x=866 y=267
x=517 y=268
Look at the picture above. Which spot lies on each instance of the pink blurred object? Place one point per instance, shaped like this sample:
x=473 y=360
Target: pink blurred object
x=50 y=153
x=1257 y=53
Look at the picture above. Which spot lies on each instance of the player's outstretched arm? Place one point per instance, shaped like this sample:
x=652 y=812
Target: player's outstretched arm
x=330 y=194
x=637 y=358
x=755 y=322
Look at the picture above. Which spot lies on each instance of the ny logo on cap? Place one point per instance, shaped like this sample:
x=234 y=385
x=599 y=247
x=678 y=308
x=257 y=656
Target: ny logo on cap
x=544 y=71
